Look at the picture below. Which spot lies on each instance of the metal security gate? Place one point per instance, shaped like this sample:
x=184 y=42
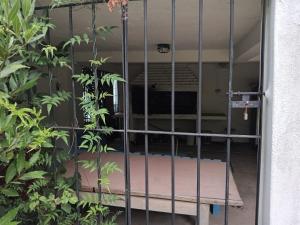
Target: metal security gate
x=244 y=102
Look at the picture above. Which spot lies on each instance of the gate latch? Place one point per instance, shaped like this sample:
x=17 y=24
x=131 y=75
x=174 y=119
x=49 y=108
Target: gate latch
x=245 y=103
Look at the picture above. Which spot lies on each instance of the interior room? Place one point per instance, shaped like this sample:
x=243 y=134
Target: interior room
x=214 y=88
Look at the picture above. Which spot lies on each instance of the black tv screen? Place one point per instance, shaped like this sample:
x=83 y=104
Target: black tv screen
x=159 y=102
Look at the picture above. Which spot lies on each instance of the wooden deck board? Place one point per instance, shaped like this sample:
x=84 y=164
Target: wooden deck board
x=212 y=183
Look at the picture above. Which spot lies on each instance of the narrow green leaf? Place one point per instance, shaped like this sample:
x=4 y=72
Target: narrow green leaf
x=11 y=68
x=8 y=218
x=66 y=44
x=65 y=139
x=20 y=162
x=17 y=23
x=66 y=207
x=10 y=172
x=36 y=38
x=9 y=192
x=86 y=38
x=13 y=223
x=27 y=7
x=32 y=7
x=14 y=11
x=34 y=158
x=47 y=144
x=49 y=107
x=26 y=86
x=33 y=175
x=12 y=83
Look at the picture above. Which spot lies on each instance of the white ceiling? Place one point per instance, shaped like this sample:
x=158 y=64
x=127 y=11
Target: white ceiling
x=215 y=32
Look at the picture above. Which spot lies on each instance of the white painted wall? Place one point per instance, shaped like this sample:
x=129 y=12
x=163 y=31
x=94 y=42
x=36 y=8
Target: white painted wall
x=280 y=192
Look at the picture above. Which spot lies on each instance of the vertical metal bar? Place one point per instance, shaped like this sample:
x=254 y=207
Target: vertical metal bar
x=259 y=109
x=96 y=92
x=228 y=149
x=199 y=110
x=50 y=73
x=146 y=110
x=75 y=121
x=173 y=114
x=126 y=111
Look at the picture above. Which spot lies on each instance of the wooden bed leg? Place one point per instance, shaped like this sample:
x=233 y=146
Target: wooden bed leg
x=204 y=217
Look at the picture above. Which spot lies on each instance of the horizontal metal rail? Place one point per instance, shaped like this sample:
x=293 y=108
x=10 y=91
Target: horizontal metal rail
x=175 y=133
x=247 y=93
x=43 y=7
x=70 y=5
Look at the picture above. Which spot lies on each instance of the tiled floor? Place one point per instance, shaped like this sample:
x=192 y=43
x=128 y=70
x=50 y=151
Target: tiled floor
x=244 y=171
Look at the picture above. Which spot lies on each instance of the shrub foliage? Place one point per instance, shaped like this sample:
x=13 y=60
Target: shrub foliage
x=33 y=187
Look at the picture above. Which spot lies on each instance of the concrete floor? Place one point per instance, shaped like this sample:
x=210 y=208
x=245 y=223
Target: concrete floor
x=244 y=171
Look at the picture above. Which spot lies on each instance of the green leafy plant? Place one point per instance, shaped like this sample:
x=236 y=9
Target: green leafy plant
x=24 y=141
x=33 y=186
x=55 y=99
x=8 y=218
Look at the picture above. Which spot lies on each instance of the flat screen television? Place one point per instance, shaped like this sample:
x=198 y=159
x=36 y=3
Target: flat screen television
x=159 y=102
